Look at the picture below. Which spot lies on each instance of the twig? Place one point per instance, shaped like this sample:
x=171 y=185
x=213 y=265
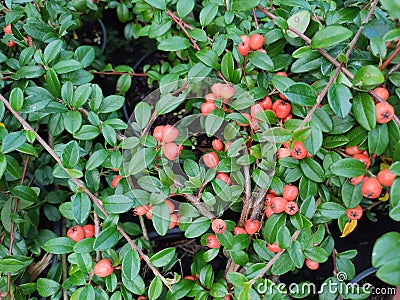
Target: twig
x=334 y=252
x=390 y=58
x=144 y=229
x=199 y=206
x=258 y=203
x=273 y=260
x=94 y=199
x=13 y=224
x=96 y=221
x=255 y=18
x=247 y=196
x=226 y=5
x=179 y=23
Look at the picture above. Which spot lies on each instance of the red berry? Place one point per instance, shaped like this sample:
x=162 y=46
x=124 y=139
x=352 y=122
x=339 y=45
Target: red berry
x=224 y=177
x=103 y=268
x=352 y=150
x=76 y=233
x=217 y=90
x=140 y=297
x=140 y=210
x=364 y=159
x=149 y=213
x=115 y=181
x=382 y=93
x=278 y=204
x=11 y=43
x=268 y=198
x=170 y=133
x=170 y=205
x=207 y=107
x=88 y=230
x=227 y=92
x=227 y=144
x=7 y=29
x=158 y=133
x=218 y=226
x=384 y=113
x=256 y=41
x=190 y=277
x=212 y=241
x=281 y=108
x=173 y=221
x=312 y=265
x=268 y=211
x=290 y=192
x=266 y=103
x=283 y=152
x=254 y=109
x=356 y=180
x=211 y=159
x=291 y=208
x=284 y=74
x=371 y=188
x=386 y=177
x=210 y=97
x=299 y=151
x=274 y=247
x=252 y=226
x=217 y=145
x=239 y=230
x=354 y=213
x=171 y=151
x=244 y=48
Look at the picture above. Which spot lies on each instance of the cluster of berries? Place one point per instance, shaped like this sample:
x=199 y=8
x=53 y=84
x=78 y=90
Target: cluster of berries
x=276 y=204
x=147 y=210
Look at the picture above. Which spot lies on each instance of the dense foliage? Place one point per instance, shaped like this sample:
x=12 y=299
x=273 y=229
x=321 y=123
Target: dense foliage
x=296 y=102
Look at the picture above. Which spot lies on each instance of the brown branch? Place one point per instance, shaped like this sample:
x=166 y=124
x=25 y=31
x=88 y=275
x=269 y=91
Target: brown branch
x=179 y=23
x=199 y=206
x=255 y=18
x=12 y=235
x=390 y=58
x=94 y=199
x=273 y=260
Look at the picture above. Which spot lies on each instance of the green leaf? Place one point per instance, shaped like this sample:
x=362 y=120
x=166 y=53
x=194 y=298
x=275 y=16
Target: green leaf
x=155 y=288
x=163 y=257
x=25 y=193
x=364 y=111
x=131 y=264
x=316 y=253
x=240 y=5
x=70 y=155
x=214 y=121
x=174 y=43
x=197 y=227
x=312 y=170
x=106 y=239
x=378 y=139
x=67 y=66
x=140 y=160
x=47 y=287
x=117 y=204
x=142 y=114
x=52 y=50
x=208 y=13
x=351 y=194
x=296 y=254
x=184 y=7
x=159 y=4
x=261 y=60
x=168 y=103
x=72 y=121
x=53 y=83
x=14 y=263
x=13 y=141
x=276 y=135
x=81 y=207
x=272 y=226
x=227 y=65
x=208 y=57
x=348 y=167
x=331 y=210
x=16 y=99
x=299 y=21
x=161 y=218
x=87 y=132
x=85 y=55
x=111 y=103
x=301 y=94
x=339 y=97
x=60 y=245
x=386 y=249
x=390 y=272
x=392 y=7
x=330 y=36
x=81 y=95
x=368 y=76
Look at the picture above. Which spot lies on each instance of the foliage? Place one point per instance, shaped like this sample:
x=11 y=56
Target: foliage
x=67 y=158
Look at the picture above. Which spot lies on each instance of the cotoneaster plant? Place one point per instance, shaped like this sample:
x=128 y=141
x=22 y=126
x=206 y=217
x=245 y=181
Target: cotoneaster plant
x=297 y=102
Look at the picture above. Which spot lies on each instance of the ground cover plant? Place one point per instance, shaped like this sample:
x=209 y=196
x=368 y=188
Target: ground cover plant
x=274 y=125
